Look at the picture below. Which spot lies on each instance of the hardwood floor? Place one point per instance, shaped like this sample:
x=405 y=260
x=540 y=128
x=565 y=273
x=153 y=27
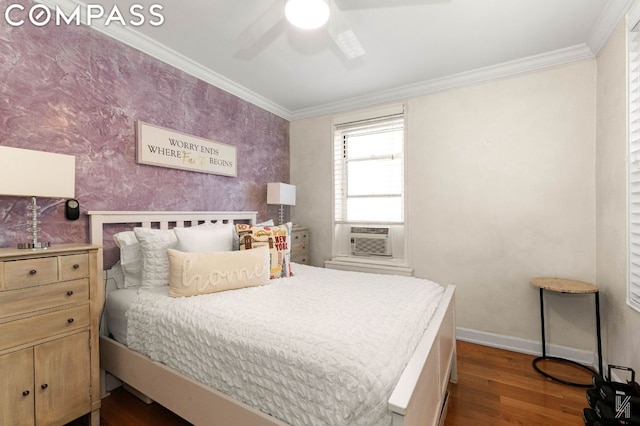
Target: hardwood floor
x=495 y=387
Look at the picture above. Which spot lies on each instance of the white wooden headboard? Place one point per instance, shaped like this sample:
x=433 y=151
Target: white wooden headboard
x=161 y=219
x=155 y=219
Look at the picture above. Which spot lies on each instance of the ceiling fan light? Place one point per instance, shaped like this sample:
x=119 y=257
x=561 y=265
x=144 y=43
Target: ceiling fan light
x=307 y=14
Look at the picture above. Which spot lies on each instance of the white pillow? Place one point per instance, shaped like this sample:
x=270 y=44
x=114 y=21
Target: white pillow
x=117 y=274
x=193 y=274
x=130 y=258
x=155 y=263
x=208 y=237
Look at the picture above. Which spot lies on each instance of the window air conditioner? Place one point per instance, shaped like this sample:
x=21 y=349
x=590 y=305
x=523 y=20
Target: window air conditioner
x=370 y=241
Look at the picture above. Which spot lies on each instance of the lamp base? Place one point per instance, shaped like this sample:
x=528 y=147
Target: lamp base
x=34 y=227
x=281 y=215
x=34 y=246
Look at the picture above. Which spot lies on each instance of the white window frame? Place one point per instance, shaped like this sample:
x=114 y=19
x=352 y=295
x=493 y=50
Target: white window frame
x=400 y=253
x=341 y=198
x=633 y=158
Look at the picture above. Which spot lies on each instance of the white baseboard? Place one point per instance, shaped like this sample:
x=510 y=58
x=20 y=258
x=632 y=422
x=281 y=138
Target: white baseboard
x=530 y=347
x=374 y=266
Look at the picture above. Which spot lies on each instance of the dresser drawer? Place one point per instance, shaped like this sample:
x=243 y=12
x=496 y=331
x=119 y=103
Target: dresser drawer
x=74 y=266
x=30 y=329
x=30 y=272
x=22 y=301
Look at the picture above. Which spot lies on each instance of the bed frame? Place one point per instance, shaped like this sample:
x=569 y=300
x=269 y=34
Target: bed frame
x=419 y=397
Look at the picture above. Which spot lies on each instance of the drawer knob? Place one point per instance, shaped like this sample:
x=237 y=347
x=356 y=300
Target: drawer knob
x=70 y=320
x=76 y=266
x=25 y=393
x=33 y=272
x=70 y=293
x=44 y=386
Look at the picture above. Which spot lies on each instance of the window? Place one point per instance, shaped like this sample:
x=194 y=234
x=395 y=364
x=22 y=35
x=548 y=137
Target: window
x=369 y=169
x=369 y=198
x=633 y=156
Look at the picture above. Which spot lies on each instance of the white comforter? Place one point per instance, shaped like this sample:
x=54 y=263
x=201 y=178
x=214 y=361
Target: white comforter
x=324 y=347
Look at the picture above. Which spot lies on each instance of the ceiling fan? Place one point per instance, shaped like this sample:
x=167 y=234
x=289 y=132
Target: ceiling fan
x=312 y=14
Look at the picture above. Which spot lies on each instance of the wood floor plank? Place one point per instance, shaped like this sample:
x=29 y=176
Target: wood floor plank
x=495 y=387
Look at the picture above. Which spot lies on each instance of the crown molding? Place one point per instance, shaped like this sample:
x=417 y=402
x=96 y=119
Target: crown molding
x=612 y=13
x=159 y=51
x=468 y=78
x=181 y=62
x=609 y=18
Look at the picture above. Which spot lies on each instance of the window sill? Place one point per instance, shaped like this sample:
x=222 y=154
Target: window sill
x=376 y=266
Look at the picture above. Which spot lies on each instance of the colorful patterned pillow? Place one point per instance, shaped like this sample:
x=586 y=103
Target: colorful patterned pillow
x=276 y=238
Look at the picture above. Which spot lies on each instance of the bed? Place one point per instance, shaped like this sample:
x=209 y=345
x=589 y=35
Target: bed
x=418 y=394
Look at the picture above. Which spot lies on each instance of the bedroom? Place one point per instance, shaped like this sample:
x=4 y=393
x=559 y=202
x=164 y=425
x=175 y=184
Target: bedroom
x=487 y=214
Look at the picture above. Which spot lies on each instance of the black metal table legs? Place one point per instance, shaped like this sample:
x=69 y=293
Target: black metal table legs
x=563 y=360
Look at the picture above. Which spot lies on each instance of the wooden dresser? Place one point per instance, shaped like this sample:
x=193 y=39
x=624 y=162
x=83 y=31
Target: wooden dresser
x=300 y=245
x=50 y=304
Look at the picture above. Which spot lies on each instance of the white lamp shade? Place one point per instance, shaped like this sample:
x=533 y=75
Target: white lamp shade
x=29 y=173
x=281 y=193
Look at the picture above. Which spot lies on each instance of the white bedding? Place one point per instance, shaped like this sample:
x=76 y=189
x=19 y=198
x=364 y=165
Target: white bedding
x=115 y=309
x=324 y=347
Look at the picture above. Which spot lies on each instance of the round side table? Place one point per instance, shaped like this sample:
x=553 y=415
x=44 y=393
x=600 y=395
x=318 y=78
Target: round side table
x=561 y=285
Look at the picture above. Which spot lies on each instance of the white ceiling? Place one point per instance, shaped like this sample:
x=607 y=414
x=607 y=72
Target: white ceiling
x=412 y=47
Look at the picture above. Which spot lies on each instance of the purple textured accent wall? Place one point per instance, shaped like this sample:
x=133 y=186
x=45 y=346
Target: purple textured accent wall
x=73 y=90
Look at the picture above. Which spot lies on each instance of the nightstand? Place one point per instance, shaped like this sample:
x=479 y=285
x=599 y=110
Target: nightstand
x=566 y=286
x=50 y=303
x=300 y=245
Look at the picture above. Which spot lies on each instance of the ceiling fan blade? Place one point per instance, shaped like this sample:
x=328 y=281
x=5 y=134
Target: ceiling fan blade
x=342 y=34
x=261 y=26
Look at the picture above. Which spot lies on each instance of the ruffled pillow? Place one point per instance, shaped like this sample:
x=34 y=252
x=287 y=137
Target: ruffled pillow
x=155 y=263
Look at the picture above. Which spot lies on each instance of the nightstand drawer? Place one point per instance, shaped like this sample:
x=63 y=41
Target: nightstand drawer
x=17 y=302
x=30 y=272
x=303 y=259
x=299 y=237
x=300 y=245
x=299 y=250
x=74 y=266
x=38 y=327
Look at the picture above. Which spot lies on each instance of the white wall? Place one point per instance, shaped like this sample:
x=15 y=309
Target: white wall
x=621 y=322
x=311 y=161
x=501 y=188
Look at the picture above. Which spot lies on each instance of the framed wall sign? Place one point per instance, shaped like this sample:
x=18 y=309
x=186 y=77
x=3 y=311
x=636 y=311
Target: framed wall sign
x=158 y=146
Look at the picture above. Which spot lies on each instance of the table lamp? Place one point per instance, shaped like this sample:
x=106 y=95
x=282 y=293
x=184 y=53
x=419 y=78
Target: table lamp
x=282 y=194
x=28 y=173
